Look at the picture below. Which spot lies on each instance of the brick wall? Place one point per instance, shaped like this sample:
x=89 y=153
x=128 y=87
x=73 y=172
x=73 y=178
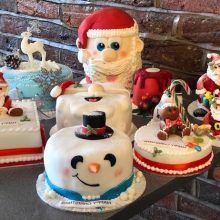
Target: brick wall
x=177 y=34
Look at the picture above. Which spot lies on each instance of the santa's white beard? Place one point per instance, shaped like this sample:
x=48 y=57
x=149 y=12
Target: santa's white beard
x=2 y=100
x=121 y=71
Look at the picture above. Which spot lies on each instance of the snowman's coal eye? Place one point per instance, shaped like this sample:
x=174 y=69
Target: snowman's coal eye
x=75 y=160
x=111 y=158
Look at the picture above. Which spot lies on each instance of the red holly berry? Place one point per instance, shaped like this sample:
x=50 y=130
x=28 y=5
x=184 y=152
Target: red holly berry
x=143 y=105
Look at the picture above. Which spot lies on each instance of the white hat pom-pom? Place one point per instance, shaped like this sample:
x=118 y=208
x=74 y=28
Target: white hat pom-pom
x=56 y=91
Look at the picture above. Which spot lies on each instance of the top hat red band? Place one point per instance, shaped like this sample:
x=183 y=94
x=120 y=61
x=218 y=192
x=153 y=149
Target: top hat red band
x=94 y=131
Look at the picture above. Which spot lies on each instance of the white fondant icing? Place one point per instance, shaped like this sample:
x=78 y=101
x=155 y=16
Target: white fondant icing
x=64 y=145
x=115 y=102
x=173 y=150
x=15 y=133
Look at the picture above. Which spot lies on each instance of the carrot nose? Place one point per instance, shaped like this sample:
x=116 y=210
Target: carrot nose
x=94 y=167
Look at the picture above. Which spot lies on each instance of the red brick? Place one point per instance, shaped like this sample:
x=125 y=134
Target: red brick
x=73 y=15
x=200 y=29
x=155 y=23
x=8 y=5
x=194 y=206
x=138 y=3
x=169 y=202
x=208 y=190
x=70 y=59
x=52 y=54
x=150 y=22
x=9 y=43
x=181 y=56
x=17 y=25
x=38 y=8
x=194 y=6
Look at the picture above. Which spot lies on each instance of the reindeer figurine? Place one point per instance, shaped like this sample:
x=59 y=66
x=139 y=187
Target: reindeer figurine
x=30 y=48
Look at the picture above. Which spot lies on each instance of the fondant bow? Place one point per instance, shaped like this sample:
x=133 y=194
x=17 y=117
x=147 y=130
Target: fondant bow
x=169 y=123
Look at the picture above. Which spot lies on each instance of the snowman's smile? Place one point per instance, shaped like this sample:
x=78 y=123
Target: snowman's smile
x=87 y=184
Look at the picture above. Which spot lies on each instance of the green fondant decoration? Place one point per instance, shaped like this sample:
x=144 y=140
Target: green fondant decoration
x=198 y=140
x=156 y=152
x=90 y=130
x=198 y=148
x=25 y=118
x=77 y=85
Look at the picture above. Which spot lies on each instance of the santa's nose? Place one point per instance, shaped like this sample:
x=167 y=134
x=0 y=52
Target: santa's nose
x=109 y=55
x=94 y=167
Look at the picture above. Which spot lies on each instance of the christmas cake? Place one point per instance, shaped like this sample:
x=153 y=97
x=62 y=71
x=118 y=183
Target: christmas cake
x=79 y=162
x=34 y=79
x=109 y=47
x=167 y=145
x=74 y=99
x=207 y=87
x=149 y=84
x=212 y=118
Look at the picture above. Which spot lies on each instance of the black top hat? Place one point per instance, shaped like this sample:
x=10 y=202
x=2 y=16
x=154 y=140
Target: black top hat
x=94 y=127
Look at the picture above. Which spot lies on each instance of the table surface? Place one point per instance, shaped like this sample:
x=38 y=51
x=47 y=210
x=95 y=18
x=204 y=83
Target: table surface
x=19 y=200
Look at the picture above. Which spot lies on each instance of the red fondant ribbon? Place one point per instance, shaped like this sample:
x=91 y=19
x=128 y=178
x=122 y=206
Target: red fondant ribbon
x=98 y=131
x=19 y=151
x=179 y=167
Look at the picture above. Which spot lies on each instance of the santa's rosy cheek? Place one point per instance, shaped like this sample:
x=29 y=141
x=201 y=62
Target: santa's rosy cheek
x=123 y=54
x=66 y=172
x=94 y=54
x=118 y=172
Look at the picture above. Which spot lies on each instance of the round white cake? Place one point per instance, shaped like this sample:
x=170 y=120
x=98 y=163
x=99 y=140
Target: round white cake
x=89 y=167
x=174 y=156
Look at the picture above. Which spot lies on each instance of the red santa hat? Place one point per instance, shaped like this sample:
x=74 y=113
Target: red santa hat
x=59 y=90
x=3 y=83
x=213 y=56
x=107 y=22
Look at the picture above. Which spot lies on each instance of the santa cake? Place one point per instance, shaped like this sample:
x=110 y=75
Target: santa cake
x=89 y=168
x=20 y=131
x=149 y=84
x=75 y=99
x=109 y=47
x=212 y=118
x=207 y=87
x=167 y=146
x=34 y=79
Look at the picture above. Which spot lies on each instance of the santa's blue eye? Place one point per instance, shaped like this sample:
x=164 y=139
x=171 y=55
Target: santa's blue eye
x=100 y=46
x=115 y=45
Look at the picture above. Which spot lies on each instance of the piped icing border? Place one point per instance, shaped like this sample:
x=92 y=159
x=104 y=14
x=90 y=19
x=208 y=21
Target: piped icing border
x=179 y=169
x=108 y=195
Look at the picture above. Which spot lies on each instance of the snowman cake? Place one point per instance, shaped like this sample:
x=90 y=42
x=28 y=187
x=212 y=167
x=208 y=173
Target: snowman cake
x=75 y=99
x=166 y=146
x=89 y=168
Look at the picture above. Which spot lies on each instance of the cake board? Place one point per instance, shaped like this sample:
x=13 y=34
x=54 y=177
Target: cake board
x=98 y=206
